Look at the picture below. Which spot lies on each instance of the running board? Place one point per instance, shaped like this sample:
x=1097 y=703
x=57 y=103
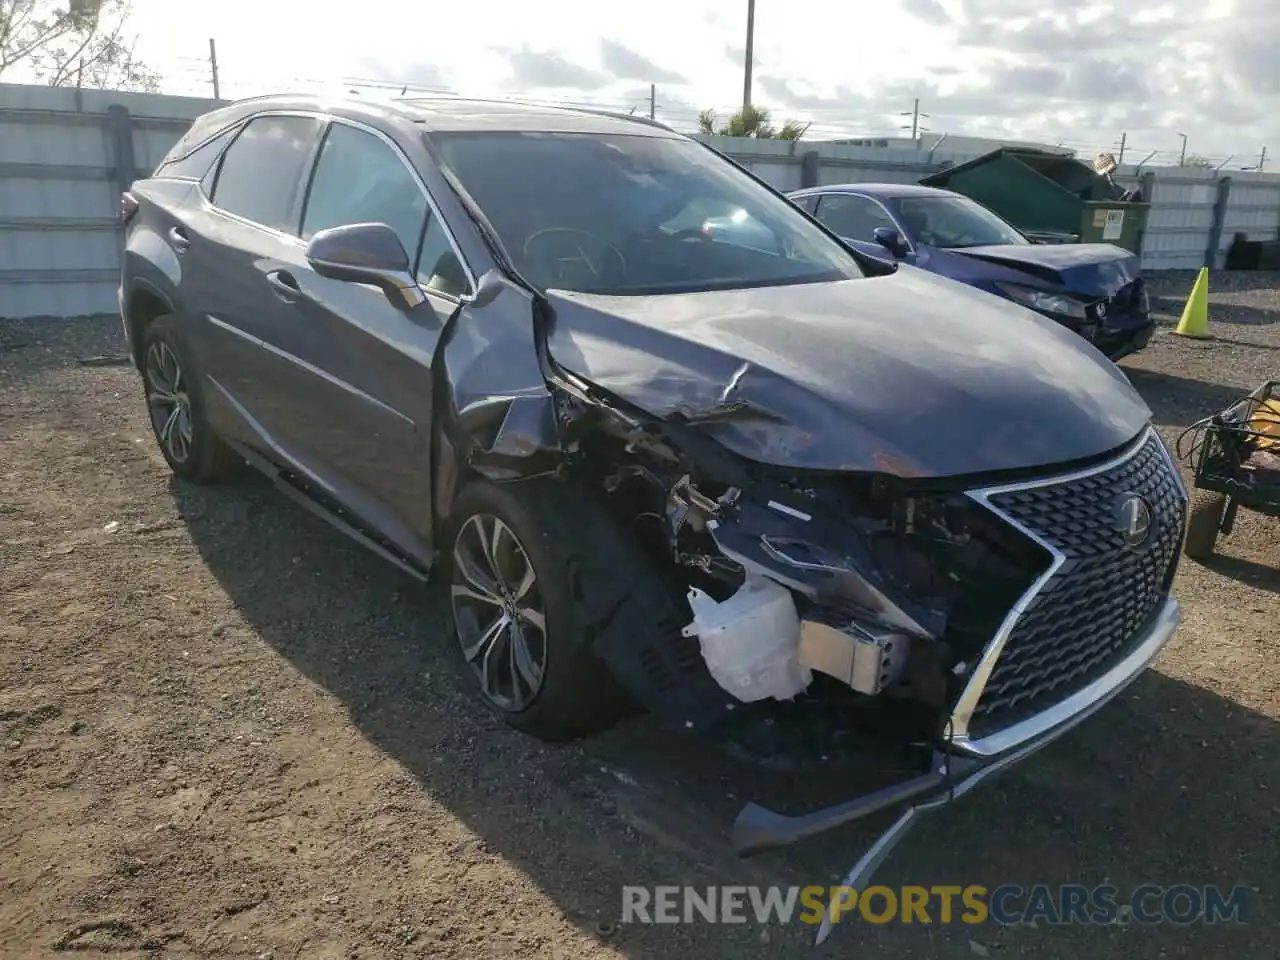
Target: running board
x=285 y=485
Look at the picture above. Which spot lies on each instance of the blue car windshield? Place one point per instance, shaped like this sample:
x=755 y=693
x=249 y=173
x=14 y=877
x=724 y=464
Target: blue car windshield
x=954 y=222
x=620 y=215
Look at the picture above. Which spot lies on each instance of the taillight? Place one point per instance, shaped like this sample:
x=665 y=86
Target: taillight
x=128 y=206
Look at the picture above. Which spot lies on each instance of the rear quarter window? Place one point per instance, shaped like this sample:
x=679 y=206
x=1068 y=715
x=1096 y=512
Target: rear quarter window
x=193 y=164
x=808 y=204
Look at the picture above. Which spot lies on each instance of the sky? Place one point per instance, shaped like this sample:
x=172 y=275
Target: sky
x=1075 y=72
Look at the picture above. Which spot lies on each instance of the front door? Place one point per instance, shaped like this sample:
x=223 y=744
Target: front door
x=855 y=218
x=361 y=393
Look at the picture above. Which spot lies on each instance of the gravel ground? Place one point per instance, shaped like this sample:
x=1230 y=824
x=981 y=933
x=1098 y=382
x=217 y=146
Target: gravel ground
x=225 y=731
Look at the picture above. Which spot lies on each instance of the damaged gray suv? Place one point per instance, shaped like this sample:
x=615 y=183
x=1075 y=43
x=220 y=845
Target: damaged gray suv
x=749 y=480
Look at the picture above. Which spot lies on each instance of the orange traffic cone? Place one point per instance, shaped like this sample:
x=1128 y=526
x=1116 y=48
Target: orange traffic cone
x=1195 y=315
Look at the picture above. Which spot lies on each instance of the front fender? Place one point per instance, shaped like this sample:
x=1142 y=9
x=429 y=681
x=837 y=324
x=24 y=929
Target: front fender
x=495 y=411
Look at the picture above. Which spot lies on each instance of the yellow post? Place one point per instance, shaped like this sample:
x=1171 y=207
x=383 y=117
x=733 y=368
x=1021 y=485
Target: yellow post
x=1195 y=315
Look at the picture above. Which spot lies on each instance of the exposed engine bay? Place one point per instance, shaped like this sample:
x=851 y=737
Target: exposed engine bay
x=801 y=589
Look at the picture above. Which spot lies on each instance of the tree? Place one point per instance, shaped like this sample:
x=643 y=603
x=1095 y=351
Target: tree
x=751 y=121
x=1196 y=161
x=85 y=44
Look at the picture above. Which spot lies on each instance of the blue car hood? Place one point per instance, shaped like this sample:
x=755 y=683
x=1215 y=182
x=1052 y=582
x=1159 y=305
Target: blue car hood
x=1099 y=269
x=908 y=374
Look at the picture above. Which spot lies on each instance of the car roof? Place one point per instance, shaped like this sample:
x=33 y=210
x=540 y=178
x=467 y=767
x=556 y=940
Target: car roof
x=883 y=190
x=448 y=114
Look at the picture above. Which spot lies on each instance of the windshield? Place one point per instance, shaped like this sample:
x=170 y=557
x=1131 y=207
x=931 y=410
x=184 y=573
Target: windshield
x=636 y=214
x=953 y=222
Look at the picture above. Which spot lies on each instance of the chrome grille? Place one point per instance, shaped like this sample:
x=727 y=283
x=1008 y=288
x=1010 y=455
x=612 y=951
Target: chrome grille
x=1087 y=614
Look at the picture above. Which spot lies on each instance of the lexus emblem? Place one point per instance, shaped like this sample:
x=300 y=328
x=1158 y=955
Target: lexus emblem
x=1133 y=520
x=1102 y=310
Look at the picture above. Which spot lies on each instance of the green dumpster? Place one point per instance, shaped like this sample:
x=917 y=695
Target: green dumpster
x=1049 y=197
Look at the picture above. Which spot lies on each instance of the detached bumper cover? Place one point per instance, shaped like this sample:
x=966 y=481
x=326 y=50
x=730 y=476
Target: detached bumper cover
x=968 y=763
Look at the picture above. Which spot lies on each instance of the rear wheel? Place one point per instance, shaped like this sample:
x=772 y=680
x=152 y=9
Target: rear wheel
x=1203 y=523
x=176 y=407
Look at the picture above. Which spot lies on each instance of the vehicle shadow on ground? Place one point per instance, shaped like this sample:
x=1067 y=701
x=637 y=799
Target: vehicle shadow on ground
x=1180 y=401
x=1249 y=572
x=1168 y=785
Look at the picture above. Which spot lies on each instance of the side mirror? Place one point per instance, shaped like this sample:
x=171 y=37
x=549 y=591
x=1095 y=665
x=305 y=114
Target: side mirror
x=366 y=253
x=891 y=240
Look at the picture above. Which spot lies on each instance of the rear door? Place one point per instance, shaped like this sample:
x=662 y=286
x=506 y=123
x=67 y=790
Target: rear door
x=243 y=237
x=360 y=399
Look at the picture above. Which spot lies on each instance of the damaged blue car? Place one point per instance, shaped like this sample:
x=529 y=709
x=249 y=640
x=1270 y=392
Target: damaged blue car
x=1094 y=289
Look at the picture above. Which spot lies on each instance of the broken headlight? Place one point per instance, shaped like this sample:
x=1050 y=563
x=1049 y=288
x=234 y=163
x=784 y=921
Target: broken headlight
x=1044 y=301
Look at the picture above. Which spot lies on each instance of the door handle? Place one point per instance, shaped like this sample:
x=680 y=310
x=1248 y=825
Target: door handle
x=179 y=239
x=284 y=286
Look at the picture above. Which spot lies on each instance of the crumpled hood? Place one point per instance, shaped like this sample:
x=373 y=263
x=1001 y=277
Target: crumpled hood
x=908 y=374
x=1086 y=268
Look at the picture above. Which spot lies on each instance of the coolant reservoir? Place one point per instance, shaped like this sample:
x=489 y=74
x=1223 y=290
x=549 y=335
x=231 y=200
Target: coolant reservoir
x=751 y=641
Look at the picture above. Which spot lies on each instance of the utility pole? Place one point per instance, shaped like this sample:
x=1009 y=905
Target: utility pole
x=1120 y=159
x=1182 y=158
x=213 y=68
x=746 y=67
x=916 y=116
x=653 y=100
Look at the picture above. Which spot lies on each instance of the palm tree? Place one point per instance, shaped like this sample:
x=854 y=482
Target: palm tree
x=751 y=121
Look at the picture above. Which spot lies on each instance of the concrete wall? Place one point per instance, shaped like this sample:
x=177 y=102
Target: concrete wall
x=66 y=155
x=60 y=182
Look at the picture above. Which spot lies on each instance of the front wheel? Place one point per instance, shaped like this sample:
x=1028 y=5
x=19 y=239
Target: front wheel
x=518 y=626
x=1203 y=524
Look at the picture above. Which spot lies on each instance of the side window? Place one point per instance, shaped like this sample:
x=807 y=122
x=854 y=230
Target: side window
x=259 y=174
x=360 y=179
x=438 y=266
x=854 y=218
x=194 y=165
x=807 y=204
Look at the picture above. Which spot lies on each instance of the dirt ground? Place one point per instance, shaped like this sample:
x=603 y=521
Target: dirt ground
x=225 y=731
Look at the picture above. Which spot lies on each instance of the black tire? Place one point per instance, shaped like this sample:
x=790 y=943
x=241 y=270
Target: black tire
x=1203 y=523
x=191 y=447
x=577 y=695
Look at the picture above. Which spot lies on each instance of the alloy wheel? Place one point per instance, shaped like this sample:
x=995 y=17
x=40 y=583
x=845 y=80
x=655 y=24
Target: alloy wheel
x=168 y=401
x=498 y=612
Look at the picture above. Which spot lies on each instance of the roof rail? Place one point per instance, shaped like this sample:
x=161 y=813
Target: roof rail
x=612 y=114
x=647 y=121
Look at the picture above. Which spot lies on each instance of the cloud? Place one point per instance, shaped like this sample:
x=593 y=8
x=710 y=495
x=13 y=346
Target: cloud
x=625 y=64
x=536 y=69
x=930 y=11
x=1079 y=71
x=1090 y=70
x=415 y=73
x=786 y=95
x=737 y=55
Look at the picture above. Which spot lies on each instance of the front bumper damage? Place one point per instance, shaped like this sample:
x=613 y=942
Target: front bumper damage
x=971 y=750
x=990 y=619
x=953 y=772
